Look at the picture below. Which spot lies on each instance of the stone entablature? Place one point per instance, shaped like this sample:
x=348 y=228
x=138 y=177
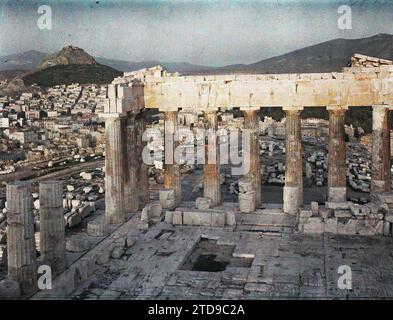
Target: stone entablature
x=355 y=86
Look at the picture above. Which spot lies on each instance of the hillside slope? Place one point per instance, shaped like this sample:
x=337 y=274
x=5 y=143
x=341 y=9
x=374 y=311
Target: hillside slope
x=71 y=73
x=330 y=56
x=23 y=61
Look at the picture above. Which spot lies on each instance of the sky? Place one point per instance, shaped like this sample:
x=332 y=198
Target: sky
x=214 y=33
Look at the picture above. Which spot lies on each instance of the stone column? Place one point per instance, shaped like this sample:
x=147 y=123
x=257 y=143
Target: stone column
x=337 y=176
x=52 y=229
x=293 y=189
x=142 y=172
x=172 y=176
x=251 y=122
x=131 y=195
x=380 y=171
x=211 y=169
x=21 y=251
x=115 y=157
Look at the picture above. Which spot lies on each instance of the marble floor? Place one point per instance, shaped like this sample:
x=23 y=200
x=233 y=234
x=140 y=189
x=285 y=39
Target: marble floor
x=281 y=264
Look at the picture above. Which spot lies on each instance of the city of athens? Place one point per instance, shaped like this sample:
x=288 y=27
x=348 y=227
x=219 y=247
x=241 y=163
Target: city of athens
x=218 y=152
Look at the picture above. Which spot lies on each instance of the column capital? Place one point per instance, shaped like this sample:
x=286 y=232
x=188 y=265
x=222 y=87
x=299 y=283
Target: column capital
x=167 y=109
x=382 y=107
x=292 y=108
x=210 y=111
x=336 y=108
x=244 y=109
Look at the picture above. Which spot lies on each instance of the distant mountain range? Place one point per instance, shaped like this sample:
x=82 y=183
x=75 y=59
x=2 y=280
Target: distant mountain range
x=30 y=60
x=328 y=56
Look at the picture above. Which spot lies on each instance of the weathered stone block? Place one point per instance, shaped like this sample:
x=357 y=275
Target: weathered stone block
x=245 y=186
x=314 y=225
x=85 y=211
x=74 y=219
x=167 y=199
x=387 y=197
x=359 y=210
x=366 y=231
x=143 y=225
x=337 y=205
x=247 y=202
x=303 y=220
x=177 y=217
x=314 y=207
x=386 y=229
x=97 y=228
x=218 y=219
x=155 y=210
x=145 y=214
x=230 y=218
x=77 y=243
x=195 y=218
x=349 y=228
x=203 y=203
x=379 y=228
x=331 y=225
x=389 y=218
x=169 y=217
x=117 y=252
x=324 y=213
x=339 y=213
x=103 y=256
x=373 y=208
x=9 y=289
x=305 y=214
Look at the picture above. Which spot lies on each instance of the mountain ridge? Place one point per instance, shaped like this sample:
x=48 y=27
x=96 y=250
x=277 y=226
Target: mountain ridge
x=73 y=64
x=328 y=56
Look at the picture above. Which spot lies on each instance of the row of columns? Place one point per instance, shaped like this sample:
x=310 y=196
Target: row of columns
x=126 y=173
x=337 y=180
x=21 y=246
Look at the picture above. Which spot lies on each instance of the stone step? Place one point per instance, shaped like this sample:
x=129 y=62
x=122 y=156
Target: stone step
x=274 y=230
x=266 y=221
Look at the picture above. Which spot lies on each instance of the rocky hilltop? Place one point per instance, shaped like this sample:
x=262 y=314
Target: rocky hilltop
x=71 y=64
x=67 y=55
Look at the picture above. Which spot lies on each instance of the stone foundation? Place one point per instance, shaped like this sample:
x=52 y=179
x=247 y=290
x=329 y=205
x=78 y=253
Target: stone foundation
x=206 y=218
x=348 y=218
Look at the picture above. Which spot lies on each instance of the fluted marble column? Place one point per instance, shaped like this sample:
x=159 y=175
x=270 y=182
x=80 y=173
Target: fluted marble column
x=115 y=158
x=172 y=175
x=251 y=122
x=142 y=172
x=131 y=196
x=380 y=171
x=211 y=169
x=337 y=177
x=52 y=229
x=21 y=250
x=293 y=189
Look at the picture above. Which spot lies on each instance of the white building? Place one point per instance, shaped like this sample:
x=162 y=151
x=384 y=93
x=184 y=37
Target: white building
x=4 y=123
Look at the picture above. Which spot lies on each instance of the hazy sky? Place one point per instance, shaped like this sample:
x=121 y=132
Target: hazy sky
x=201 y=32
